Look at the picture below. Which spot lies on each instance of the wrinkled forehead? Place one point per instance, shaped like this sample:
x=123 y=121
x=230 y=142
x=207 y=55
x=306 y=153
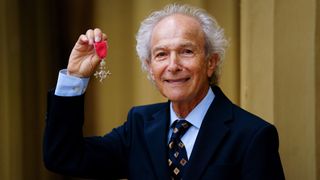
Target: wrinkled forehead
x=175 y=27
x=177 y=22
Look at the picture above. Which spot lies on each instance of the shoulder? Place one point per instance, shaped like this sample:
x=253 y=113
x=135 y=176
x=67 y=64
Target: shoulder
x=234 y=114
x=240 y=122
x=138 y=116
x=250 y=129
x=149 y=110
x=247 y=119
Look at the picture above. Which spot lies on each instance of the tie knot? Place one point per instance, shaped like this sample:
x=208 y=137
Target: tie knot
x=179 y=128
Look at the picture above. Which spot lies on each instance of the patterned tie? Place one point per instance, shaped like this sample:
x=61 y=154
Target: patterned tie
x=177 y=152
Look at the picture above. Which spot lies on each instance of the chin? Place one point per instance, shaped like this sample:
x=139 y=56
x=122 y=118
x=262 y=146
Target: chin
x=176 y=98
x=175 y=94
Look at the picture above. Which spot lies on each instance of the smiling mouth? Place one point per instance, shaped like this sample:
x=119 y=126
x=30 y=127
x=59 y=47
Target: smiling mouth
x=175 y=81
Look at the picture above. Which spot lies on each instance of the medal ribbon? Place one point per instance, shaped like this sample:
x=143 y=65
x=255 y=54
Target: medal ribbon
x=101 y=49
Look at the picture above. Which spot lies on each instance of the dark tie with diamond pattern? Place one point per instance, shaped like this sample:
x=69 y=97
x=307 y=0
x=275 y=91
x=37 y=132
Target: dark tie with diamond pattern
x=177 y=152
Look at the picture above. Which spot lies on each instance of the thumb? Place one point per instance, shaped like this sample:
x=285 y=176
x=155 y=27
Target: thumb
x=95 y=61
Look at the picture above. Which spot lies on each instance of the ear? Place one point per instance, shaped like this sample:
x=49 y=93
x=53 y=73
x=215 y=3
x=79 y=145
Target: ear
x=212 y=64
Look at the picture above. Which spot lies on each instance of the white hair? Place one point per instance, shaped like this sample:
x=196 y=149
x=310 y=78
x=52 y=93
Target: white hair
x=215 y=41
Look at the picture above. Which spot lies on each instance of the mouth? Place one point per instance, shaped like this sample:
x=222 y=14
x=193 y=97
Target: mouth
x=177 y=81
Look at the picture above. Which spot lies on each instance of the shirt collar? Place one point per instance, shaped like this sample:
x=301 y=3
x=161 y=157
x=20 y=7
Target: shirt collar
x=195 y=117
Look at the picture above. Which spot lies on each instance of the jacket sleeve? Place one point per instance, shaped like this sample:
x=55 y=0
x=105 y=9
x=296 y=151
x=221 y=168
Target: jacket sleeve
x=67 y=152
x=262 y=160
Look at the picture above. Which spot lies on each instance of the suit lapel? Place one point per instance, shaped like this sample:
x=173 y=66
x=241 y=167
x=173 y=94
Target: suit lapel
x=211 y=134
x=156 y=138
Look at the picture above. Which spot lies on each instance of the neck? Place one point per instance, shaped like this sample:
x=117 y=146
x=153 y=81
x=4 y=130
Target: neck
x=182 y=109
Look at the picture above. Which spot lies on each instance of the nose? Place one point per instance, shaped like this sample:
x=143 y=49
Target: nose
x=174 y=63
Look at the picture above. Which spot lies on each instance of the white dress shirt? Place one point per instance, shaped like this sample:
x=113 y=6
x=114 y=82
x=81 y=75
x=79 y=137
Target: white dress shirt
x=70 y=85
x=195 y=117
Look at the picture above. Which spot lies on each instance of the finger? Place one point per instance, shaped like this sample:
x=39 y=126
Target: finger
x=83 y=39
x=81 y=43
x=90 y=36
x=97 y=35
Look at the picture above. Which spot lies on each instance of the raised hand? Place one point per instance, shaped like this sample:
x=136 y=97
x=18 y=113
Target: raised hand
x=83 y=59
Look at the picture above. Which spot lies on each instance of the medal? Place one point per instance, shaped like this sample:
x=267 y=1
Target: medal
x=102 y=51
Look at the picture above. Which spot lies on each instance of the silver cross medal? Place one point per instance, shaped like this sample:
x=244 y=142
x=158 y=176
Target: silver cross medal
x=101 y=50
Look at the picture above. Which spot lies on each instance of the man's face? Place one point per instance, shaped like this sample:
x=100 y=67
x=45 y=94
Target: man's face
x=178 y=65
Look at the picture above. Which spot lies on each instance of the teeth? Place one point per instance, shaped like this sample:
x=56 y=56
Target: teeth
x=177 y=80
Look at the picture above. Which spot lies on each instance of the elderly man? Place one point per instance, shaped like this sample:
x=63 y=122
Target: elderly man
x=198 y=134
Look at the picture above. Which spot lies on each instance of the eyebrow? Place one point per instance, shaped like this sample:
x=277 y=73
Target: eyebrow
x=186 y=44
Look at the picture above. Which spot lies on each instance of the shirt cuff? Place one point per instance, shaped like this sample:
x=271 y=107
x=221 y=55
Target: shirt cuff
x=70 y=85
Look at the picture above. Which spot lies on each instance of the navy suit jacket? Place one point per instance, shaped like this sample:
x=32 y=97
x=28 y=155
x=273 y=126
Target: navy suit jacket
x=231 y=144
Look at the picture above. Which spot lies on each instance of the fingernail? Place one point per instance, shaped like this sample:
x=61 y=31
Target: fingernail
x=84 y=38
x=97 y=39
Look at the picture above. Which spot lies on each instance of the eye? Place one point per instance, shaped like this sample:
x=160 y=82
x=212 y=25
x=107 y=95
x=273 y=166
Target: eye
x=187 y=52
x=160 y=55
